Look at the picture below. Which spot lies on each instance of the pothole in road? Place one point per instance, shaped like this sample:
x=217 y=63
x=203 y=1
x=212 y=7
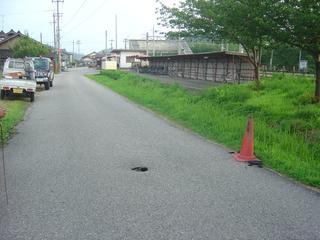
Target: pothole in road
x=139 y=169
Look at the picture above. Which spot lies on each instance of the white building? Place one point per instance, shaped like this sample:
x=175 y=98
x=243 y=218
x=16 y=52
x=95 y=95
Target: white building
x=125 y=58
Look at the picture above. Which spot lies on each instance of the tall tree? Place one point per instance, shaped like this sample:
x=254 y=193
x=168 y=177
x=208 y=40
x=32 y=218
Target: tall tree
x=297 y=22
x=27 y=47
x=237 y=21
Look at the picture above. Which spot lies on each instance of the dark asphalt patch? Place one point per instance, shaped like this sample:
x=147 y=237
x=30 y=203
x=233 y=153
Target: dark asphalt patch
x=140 y=169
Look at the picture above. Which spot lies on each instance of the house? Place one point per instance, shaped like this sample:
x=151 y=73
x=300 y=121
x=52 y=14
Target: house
x=126 y=58
x=7 y=40
x=215 y=66
x=66 y=58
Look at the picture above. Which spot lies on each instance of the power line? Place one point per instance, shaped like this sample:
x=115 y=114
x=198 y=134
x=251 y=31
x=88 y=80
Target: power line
x=24 y=13
x=75 y=14
x=88 y=17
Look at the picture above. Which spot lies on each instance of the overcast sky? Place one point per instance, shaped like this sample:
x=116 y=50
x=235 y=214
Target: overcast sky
x=84 y=20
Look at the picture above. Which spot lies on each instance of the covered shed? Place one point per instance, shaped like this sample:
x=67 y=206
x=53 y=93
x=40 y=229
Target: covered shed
x=215 y=66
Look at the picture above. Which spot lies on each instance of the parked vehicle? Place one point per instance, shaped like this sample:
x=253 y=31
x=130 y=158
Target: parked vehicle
x=18 y=78
x=44 y=71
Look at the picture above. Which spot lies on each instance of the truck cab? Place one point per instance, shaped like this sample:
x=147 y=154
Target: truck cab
x=44 y=71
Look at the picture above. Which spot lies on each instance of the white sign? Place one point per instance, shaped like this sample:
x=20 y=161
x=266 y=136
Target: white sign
x=303 y=65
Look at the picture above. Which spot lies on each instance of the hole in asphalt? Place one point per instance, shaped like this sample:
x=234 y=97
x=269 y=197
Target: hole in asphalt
x=140 y=169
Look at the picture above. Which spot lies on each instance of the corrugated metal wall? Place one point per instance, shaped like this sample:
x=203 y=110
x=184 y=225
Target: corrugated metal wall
x=220 y=68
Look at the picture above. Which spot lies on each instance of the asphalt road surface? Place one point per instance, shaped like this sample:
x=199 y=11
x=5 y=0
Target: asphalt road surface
x=69 y=177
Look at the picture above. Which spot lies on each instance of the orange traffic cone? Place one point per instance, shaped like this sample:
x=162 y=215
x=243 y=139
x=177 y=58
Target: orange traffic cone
x=246 y=153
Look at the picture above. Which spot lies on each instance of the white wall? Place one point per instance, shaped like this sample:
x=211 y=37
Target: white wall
x=109 y=65
x=123 y=58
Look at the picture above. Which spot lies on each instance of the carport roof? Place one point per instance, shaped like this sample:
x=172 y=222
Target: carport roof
x=199 y=55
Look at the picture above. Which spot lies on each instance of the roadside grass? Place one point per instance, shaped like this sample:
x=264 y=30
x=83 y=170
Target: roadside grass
x=15 y=110
x=287 y=123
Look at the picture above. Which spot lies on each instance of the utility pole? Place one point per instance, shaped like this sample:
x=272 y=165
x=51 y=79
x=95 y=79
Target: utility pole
x=179 y=41
x=147 y=44
x=153 y=43
x=58 y=33
x=73 y=52
x=125 y=43
x=54 y=41
x=54 y=33
x=78 y=43
x=271 y=60
x=106 y=42
x=116 y=19
x=111 y=41
x=41 y=37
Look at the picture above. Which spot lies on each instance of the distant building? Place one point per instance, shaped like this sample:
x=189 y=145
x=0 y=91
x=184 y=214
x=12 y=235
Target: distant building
x=66 y=58
x=126 y=58
x=93 y=59
x=160 y=47
x=7 y=40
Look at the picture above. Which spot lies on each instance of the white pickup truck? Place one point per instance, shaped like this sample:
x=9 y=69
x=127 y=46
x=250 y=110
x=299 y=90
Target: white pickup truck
x=18 y=79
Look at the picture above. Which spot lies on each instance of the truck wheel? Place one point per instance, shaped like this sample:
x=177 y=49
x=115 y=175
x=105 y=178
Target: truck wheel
x=32 y=97
x=2 y=94
x=51 y=83
x=46 y=85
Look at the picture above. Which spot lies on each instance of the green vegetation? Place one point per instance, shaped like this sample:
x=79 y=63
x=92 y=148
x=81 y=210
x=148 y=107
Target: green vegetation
x=287 y=123
x=255 y=24
x=14 y=113
x=27 y=47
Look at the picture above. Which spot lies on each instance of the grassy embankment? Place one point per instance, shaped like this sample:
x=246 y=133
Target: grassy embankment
x=287 y=124
x=15 y=110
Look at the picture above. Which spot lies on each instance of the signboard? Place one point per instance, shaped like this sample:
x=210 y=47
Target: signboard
x=303 y=65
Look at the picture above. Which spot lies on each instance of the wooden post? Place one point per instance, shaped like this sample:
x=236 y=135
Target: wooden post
x=227 y=70
x=190 y=76
x=206 y=70
x=198 y=68
x=240 y=70
x=215 y=70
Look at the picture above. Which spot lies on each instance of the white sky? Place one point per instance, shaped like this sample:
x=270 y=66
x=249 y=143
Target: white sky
x=135 y=18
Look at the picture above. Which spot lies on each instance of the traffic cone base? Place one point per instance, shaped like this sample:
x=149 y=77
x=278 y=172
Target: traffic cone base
x=246 y=153
x=243 y=158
